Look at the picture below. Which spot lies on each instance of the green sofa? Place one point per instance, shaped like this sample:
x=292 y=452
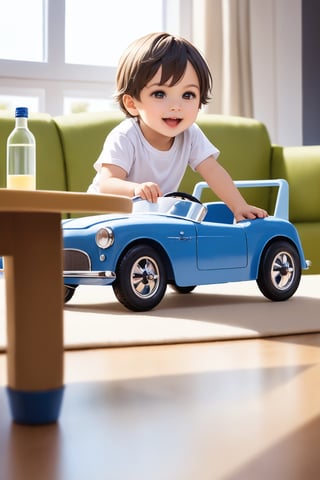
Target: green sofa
x=67 y=147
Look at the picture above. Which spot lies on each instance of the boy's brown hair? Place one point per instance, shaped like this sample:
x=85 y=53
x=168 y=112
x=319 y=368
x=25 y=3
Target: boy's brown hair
x=143 y=58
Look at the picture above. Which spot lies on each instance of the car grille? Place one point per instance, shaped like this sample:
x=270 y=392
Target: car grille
x=75 y=260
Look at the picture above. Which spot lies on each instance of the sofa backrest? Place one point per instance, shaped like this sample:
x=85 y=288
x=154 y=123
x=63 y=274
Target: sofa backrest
x=51 y=174
x=244 y=144
x=82 y=137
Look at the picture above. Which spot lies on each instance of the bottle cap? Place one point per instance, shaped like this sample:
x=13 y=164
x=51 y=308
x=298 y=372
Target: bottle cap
x=22 y=112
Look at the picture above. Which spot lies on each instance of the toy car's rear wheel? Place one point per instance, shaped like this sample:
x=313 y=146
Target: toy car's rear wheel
x=68 y=292
x=280 y=271
x=141 y=278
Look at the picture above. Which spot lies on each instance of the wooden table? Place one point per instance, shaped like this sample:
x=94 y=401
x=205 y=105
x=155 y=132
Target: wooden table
x=31 y=243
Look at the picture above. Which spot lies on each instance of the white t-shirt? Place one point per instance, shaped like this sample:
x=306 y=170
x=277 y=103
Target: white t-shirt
x=126 y=147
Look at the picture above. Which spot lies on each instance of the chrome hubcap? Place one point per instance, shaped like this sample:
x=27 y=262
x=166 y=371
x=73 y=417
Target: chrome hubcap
x=144 y=278
x=282 y=271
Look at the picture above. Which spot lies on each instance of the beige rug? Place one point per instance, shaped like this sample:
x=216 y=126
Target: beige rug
x=94 y=318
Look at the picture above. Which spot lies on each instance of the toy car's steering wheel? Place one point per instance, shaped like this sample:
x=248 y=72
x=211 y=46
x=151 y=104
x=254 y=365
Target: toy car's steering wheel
x=183 y=195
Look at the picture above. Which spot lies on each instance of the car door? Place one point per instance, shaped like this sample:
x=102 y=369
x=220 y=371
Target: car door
x=221 y=246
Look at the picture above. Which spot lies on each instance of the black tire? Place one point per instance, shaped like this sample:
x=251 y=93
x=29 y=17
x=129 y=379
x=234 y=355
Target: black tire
x=69 y=292
x=141 y=279
x=279 y=271
x=187 y=289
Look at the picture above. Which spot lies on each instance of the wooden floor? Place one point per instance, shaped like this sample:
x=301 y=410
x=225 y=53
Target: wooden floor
x=237 y=410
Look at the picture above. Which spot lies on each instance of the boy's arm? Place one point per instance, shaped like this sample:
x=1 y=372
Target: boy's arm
x=113 y=180
x=222 y=184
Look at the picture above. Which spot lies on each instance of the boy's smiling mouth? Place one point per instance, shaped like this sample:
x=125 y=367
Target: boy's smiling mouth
x=172 y=122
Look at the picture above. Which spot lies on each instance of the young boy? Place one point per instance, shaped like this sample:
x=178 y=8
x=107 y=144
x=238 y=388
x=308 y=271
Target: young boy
x=162 y=82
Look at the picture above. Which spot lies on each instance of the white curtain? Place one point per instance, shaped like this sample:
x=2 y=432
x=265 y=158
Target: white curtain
x=221 y=32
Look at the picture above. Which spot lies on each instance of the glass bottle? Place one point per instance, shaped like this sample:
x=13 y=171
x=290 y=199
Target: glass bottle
x=21 y=154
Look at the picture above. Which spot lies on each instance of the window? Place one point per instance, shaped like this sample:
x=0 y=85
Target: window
x=59 y=56
x=17 y=40
x=74 y=103
x=95 y=40
x=8 y=102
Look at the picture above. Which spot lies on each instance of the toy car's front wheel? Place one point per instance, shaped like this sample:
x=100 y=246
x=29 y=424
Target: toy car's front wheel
x=280 y=271
x=141 y=279
x=68 y=292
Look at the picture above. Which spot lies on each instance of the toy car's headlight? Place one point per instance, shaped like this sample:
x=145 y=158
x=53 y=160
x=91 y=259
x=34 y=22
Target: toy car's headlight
x=104 y=237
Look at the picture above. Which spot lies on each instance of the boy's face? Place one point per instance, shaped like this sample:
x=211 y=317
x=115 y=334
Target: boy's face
x=163 y=110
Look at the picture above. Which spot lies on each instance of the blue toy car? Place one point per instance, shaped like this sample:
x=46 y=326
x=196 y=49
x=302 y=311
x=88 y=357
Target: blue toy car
x=183 y=242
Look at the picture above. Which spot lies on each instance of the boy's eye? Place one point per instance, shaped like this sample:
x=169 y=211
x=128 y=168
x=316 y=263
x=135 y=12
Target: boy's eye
x=158 y=94
x=189 y=95
x=161 y=94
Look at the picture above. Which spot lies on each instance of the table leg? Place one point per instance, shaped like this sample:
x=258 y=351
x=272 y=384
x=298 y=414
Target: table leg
x=32 y=245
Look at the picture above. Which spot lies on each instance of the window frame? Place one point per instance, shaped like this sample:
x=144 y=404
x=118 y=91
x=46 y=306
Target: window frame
x=53 y=78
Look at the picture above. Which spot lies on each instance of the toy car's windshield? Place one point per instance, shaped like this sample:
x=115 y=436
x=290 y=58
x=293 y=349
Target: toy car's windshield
x=171 y=206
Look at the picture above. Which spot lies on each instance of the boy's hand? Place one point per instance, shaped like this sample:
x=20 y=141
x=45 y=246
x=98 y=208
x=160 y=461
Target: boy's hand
x=249 y=212
x=148 y=191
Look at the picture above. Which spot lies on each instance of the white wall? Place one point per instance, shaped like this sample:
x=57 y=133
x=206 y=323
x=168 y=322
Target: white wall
x=276 y=40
